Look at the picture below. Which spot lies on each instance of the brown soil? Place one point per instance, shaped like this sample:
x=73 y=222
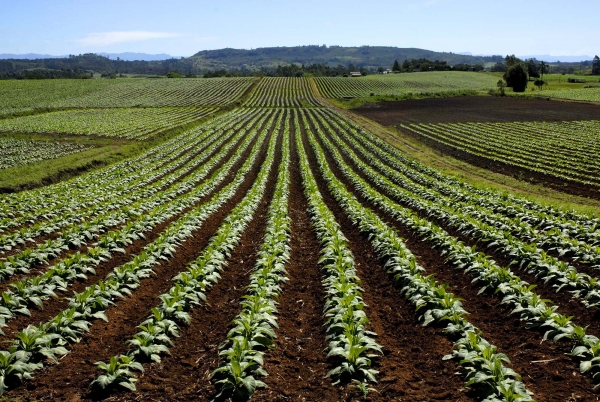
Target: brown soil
x=77 y=370
x=556 y=379
x=54 y=306
x=186 y=154
x=412 y=365
x=568 y=305
x=476 y=109
x=186 y=377
x=506 y=169
x=410 y=368
x=297 y=366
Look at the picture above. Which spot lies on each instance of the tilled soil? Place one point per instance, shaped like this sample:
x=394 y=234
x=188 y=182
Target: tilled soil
x=34 y=242
x=568 y=305
x=298 y=365
x=195 y=353
x=411 y=367
x=545 y=367
x=54 y=306
x=72 y=377
x=557 y=183
x=485 y=109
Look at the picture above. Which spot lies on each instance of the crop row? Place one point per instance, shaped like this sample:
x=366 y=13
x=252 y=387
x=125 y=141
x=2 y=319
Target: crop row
x=28 y=95
x=544 y=218
x=403 y=84
x=163 y=93
x=75 y=225
x=174 y=188
x=189 y=289
x=346 y=320
x=579 y=94
x=85 y=191
x=135 y=123
x=565 y=150
x=17 y=152
x=49 y=340
x=495 y=231
x=34 y=290
x=535 y=311
x=283 y=92
x=480 y=363
x=135 y=215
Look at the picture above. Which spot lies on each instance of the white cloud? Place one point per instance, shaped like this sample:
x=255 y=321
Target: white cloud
x=111 y=38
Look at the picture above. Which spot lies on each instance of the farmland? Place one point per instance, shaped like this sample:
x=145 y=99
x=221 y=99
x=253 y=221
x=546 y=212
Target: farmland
x=279 y=250
x=403 y=84
x=15 y=152
x=566 y=151
x=29 y=96
x=129 y=123
x=585 y=94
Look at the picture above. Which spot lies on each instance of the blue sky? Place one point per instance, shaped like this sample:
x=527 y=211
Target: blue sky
x=181 y=28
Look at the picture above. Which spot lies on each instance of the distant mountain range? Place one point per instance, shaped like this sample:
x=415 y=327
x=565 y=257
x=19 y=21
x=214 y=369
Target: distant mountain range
x=127 y=56
x=553 y=59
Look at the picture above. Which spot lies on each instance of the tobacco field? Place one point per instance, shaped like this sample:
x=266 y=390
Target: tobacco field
x=279 y=251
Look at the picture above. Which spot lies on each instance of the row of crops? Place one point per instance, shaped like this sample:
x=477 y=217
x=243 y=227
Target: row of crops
x=27 y=95
x=153 y=239
x=18 y=152
x=129 y=123
x=283 y=92
x=579 y=94
x=565 y=150
x=166 y=92
x=403 y=84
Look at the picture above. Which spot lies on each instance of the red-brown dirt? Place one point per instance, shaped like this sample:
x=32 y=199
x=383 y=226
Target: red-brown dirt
x=485 y=109
x=107 y=339
x=545 y=367
x=411 y=367
x=54 y=306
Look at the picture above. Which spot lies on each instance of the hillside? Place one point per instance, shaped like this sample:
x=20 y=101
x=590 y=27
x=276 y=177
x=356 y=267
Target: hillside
x=367 y=56
x=243 y=60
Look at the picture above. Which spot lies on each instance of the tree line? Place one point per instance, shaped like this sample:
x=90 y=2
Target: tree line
x=533 y=66
x=81 y=66
x=422 y=65
x=42 y=74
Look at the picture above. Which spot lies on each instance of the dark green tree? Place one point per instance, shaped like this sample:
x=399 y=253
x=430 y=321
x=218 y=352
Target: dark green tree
x=499 y=68
x=532 y=69
x=396 y=67
x=544 y=68
x=511 y=60
x=516 y=77
x=596 y=66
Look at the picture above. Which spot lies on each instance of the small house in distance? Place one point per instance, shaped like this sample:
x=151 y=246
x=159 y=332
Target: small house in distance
x=354 y=74
x=388 y=71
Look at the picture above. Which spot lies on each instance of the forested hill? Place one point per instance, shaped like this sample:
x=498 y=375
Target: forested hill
x=370 y=57
x=363 y=56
